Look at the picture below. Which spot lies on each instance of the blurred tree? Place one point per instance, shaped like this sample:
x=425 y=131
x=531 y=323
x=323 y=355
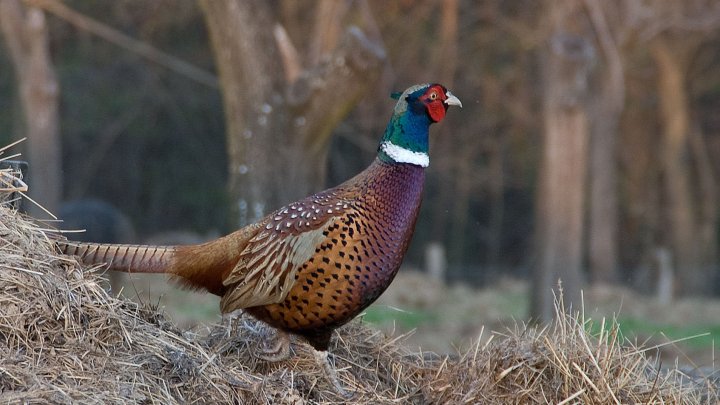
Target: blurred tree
x=675 y=31
x=607 y=106
x=561 y=196
x=693 y=253
x=118 y=38
x=128 y=123
x=279 y=114
x=454 y=194
x=25 y=32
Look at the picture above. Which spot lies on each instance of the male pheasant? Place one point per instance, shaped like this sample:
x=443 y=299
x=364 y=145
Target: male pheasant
x=314 y=264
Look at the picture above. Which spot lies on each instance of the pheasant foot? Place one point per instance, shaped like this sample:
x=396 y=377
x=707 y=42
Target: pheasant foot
x=321 y=356
x=279 y=351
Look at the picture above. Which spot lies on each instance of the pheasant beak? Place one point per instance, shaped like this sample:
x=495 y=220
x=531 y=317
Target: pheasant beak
x=452 y=100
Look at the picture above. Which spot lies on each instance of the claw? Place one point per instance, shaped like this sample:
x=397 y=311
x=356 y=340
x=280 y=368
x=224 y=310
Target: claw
x=279 y=351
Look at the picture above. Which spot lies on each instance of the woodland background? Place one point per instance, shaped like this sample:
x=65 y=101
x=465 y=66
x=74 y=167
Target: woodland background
x=587 y=147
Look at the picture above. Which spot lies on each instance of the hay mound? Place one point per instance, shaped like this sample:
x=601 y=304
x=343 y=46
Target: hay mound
x=563 y=364
x=63 y=339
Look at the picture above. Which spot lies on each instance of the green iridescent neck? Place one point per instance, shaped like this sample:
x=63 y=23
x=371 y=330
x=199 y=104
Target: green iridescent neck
x=406 y=135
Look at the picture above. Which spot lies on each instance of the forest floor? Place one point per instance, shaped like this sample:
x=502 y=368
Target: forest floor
x=447 y=318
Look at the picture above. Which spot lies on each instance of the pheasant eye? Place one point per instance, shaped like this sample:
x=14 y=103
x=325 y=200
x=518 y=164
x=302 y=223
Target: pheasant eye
x=433 y=96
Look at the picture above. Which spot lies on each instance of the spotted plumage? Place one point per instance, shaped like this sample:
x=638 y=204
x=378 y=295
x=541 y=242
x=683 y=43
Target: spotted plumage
x=314 y=264
x=366 y=227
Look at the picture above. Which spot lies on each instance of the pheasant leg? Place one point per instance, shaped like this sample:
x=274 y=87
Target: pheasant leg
x=321 y=356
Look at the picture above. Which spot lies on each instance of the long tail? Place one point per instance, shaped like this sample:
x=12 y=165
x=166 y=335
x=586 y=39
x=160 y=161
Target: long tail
x=125 y=258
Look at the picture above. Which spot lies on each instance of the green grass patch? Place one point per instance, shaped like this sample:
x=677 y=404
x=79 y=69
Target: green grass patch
x=514 y=304
x=631 y=327
x=383 y=315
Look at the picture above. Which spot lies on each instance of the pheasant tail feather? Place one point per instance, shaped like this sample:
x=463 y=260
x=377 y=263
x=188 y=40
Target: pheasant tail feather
x=125 y=258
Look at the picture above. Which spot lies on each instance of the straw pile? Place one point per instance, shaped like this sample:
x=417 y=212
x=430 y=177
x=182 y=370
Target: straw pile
x=63 y=339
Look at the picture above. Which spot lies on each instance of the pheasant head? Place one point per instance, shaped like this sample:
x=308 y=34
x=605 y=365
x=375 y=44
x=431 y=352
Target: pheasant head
x=406 y=136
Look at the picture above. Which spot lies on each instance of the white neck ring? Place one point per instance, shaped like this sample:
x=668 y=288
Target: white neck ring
x=402 y=155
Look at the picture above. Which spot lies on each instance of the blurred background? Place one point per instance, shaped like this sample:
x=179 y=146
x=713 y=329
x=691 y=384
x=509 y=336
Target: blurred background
x=586 y=150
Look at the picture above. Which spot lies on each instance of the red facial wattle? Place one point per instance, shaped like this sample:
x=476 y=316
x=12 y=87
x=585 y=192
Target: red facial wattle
x=434 y=99
x=436 y=110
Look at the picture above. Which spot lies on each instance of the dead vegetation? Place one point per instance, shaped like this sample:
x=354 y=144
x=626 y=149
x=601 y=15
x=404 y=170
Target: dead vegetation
x=63 y=339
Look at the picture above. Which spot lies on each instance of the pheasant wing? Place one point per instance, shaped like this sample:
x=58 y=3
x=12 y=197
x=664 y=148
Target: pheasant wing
x=267 y=267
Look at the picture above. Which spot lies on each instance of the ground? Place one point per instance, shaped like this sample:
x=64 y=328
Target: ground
x=446 y=319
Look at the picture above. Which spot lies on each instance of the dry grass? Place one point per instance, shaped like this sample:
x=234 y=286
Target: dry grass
x=63 y=339
x=563 y=364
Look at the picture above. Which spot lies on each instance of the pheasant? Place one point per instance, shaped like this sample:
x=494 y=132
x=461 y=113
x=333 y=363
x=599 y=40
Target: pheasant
x=315 y=264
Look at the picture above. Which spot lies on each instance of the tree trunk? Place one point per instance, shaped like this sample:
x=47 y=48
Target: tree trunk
x=446 y=62
x=249 y=81
x=675 y=155
x=497 y=204
x=445 y=67
x=25 y=33
x=708 y=211
x=562 y=174
x=279 y=130
x=602 y=235
x=460 y=206
x=608 y=106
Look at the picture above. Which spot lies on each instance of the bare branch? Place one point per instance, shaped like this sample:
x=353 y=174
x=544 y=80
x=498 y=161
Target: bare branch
x=448 y=50
x=655 y=18
x=118 y=38
x=25 y=30
x=288 y=53
x=353 y=64
x=610 y=50
x=370 y=26
x=327 y=30
x=11 y=19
